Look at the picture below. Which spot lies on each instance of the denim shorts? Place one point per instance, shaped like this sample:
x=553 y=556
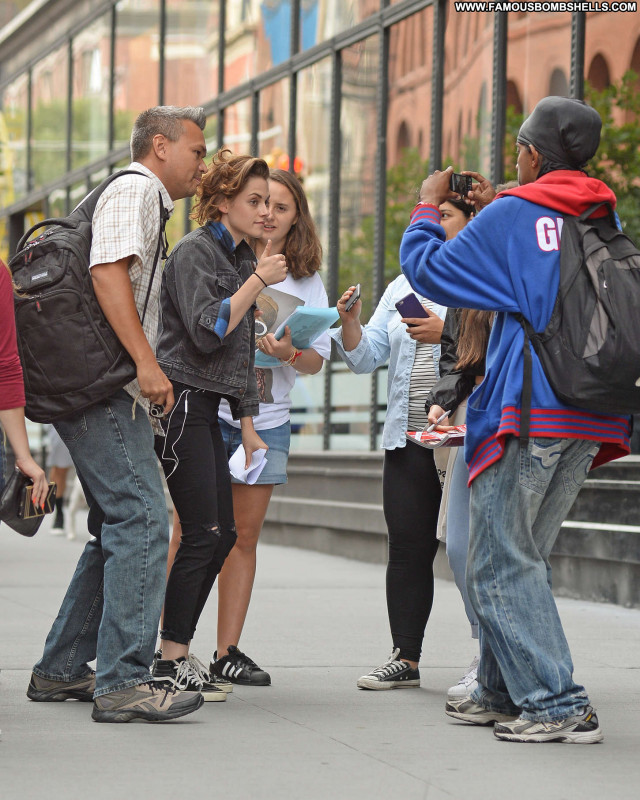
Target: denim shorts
x=278 y=440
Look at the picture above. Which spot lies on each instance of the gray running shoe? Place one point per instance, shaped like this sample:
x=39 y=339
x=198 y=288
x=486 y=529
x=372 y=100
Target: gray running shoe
x=580 y=729
x=393 y=674
x=469 y=711
x=43 y=690
x=151 y=702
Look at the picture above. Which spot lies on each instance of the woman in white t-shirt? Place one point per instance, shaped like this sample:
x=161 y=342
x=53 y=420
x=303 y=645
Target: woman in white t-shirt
x=291 y=230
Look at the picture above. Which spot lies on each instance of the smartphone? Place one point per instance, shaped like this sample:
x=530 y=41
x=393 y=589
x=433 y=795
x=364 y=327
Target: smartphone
x=353 y=299
x=460 y=184
x=27 y=510
x=410 y=307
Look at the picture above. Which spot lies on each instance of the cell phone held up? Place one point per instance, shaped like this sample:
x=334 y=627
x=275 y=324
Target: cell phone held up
x=461 y=184
x=353 y=299
x=27 y=510
x=410 y=307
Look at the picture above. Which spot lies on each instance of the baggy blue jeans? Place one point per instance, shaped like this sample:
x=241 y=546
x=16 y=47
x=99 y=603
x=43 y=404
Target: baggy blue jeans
x=112 y=607
x=517 y=507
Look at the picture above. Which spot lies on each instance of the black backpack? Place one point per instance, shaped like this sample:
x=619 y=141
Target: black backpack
x=590 y=350
x=71 y=358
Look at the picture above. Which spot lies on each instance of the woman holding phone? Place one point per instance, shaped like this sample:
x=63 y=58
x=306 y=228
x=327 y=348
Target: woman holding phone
x=411 y=345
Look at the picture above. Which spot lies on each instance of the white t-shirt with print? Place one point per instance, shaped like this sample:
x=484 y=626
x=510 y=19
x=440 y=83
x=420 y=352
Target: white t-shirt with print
x=274 y=385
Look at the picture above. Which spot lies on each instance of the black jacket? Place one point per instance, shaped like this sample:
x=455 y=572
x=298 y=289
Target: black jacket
x=198 y=276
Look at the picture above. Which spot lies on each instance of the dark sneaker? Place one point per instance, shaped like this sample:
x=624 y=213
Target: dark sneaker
x=207 y=677
x=393 y=674
x=581 y=729
x=150 y=702
x=181 y=676
x=42 y=690
x=468 y=710
x=239 y=668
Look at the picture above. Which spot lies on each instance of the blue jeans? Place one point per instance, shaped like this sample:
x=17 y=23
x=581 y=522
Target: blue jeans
x=517 y=507
x=458 y=534
x=112 y=606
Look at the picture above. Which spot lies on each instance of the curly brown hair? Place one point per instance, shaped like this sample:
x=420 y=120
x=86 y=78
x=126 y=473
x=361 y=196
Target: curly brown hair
x=302 y=247
x=226 y=177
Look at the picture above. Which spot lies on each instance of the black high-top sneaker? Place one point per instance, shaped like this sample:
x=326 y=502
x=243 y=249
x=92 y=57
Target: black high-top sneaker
x=181 y=675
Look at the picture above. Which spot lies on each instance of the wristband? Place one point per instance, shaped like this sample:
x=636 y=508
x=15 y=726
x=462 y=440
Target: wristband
x=262 y=279
x=292 y=358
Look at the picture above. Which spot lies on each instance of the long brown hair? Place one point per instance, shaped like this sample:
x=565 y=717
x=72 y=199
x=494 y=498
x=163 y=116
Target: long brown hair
x=473 y=338
x=302 y=247
x=226 y=177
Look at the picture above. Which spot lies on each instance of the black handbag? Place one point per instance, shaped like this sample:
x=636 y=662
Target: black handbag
x=16 y=509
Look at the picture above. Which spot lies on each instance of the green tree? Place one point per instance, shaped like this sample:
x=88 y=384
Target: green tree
x=356 y=251
x=617 y=160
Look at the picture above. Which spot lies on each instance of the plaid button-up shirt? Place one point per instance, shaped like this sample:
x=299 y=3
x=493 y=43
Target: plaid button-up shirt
x=126 y=223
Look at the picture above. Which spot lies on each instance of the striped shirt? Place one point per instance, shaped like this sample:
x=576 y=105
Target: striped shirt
x=422 y=380
x=126 y=223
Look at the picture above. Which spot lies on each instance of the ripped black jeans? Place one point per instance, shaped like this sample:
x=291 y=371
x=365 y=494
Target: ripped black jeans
x=195 y=464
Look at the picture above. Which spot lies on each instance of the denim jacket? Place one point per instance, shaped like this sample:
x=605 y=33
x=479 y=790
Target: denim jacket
x=200 y=276
x=385 y=337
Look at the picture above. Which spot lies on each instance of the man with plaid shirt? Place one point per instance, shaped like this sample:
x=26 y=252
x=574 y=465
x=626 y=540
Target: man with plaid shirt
x=112 y=607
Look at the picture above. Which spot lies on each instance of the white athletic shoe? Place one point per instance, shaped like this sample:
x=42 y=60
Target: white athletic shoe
x=467 y=683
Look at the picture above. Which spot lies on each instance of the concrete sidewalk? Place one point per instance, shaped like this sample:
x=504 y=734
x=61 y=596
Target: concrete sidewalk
x=316 y=623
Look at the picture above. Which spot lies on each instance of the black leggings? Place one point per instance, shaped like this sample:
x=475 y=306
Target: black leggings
x=411 y=499
x=195 y=463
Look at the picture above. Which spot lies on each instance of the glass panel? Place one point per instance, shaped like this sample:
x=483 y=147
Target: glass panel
x=357 y=158
x=4 y=239
x=350 y=398
x=322 y=19
x=312 y=142
x=274 y=124
x=351 y=393
x=538 y=64
x=237 y=126
x=49 y=139
x=13 y=141
x=57 y=203
x=191 y=52
x=408 y=127
x=468 y=62
x=137 y=63
x=257 y=37
x=307 y=403
x=91 y=71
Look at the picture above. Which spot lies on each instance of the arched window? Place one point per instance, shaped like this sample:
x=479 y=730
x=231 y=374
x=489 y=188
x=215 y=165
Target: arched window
x=513 y=97
x=598 y=75
x=559 y=85
x=403 y=140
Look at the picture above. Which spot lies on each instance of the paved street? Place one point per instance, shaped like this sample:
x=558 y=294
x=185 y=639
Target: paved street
x=316 y=623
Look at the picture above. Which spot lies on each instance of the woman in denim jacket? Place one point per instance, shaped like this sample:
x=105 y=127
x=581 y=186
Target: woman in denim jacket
x=206 y=345
x=411 y=488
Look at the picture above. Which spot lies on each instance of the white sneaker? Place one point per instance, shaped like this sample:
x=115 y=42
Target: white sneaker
x=467 y=683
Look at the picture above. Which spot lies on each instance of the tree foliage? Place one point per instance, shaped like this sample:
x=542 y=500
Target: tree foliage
x=617 y=160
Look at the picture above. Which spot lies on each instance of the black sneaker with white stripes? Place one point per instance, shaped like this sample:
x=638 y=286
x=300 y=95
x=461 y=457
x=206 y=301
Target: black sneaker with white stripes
x=182 y=677
x=393 y=674
x=239 y=668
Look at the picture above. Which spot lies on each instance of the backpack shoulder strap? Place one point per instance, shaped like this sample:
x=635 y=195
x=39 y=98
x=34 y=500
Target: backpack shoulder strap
x=86 y=208
x=527 y=379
